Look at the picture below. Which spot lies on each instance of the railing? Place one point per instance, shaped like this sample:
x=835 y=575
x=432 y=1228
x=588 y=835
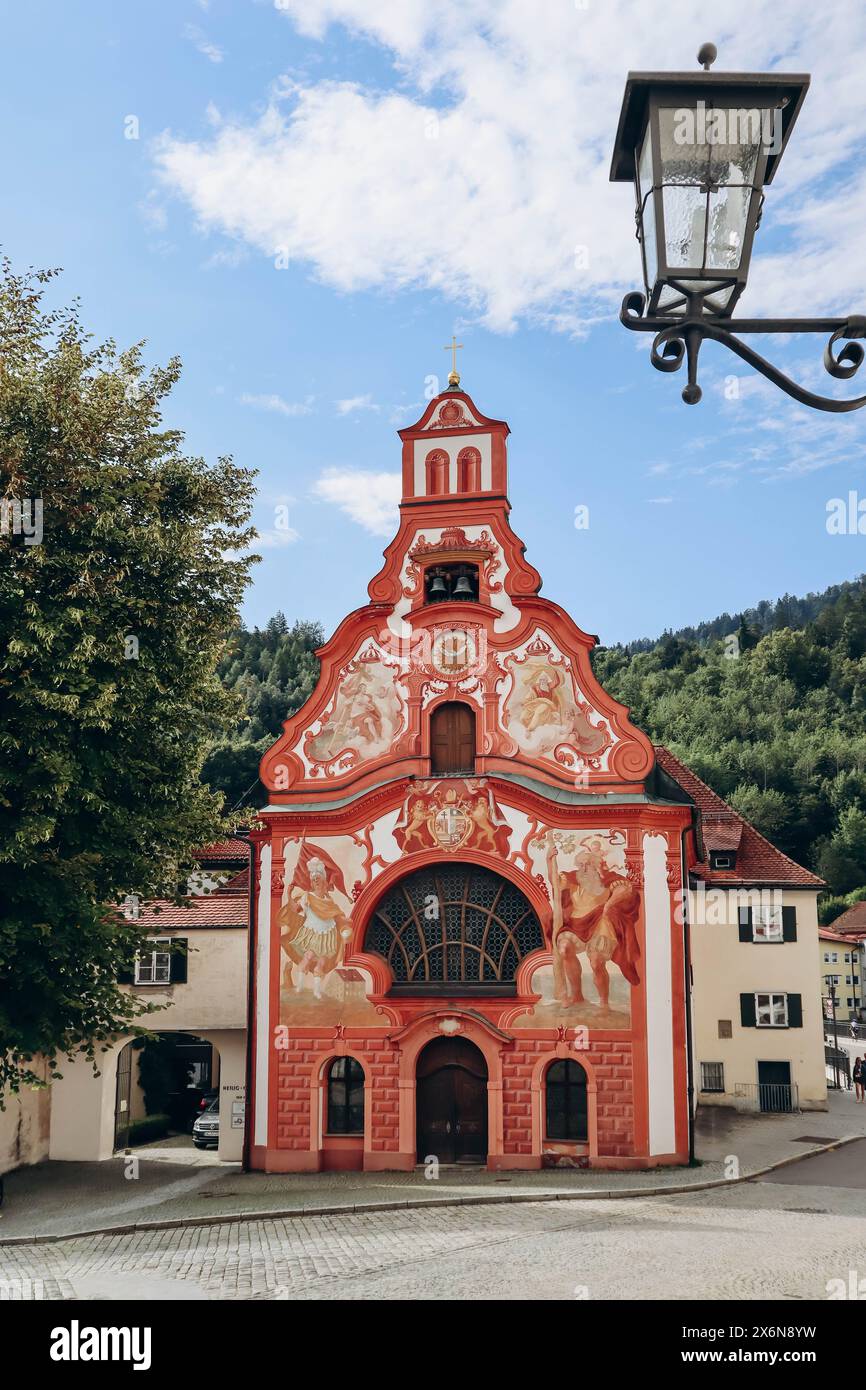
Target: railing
x=837 y=1065
x=767 y=1097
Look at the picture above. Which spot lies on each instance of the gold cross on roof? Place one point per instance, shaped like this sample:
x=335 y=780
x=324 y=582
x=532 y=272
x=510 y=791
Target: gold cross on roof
x=453 y=375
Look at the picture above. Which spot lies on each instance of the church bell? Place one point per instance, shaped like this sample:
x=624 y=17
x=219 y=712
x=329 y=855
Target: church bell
x=463 y=588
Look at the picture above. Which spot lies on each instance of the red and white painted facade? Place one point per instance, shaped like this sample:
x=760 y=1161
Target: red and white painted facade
x=561 y=804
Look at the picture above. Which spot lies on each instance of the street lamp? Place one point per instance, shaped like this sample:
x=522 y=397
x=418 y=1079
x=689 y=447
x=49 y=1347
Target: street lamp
x=699 y=149
x=832 y=999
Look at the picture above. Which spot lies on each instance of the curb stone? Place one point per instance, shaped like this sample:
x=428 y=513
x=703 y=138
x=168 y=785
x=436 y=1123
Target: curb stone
x=416 y=1204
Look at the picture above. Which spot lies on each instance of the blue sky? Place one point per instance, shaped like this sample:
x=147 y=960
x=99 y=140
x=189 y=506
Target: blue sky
x=427 y=169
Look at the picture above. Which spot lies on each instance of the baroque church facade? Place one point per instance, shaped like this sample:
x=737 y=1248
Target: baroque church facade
x=468 y=940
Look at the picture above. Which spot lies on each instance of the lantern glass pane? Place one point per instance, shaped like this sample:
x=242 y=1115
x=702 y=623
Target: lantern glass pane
x=685 y=156
x=718 y=301
x=646 y=207
x=685 y=225
x=709 y=158
x=729 y=209
x=734 y=161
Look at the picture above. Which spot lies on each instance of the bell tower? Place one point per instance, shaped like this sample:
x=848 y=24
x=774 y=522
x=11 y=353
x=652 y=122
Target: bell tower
x=454 y=453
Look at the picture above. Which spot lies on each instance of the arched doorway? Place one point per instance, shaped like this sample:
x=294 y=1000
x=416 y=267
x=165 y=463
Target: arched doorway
x=451 y=1102
x=163 y=1084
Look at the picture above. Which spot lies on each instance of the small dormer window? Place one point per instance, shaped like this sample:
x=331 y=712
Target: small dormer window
x=723 y=859
x=451 y=582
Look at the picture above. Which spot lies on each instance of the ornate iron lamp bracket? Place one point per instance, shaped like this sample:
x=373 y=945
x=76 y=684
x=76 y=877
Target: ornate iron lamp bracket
x=682 y=337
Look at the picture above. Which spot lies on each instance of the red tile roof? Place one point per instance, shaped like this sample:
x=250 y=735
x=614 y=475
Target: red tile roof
x=222 y=851
x=206 y=910
x=721 y=831
x=828 y=934
x=722 y=828
x=852 y=920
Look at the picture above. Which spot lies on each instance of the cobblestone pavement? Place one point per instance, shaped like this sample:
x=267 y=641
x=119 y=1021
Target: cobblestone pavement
x=766 y=1241
x=62 y=1198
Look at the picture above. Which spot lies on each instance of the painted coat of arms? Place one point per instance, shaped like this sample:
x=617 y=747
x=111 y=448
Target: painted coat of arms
x=451 y=817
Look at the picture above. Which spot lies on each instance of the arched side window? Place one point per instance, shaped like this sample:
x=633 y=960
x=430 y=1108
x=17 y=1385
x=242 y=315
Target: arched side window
x=452 y=739
x=454 y=928
x=469 y=470
x=565 y=1101
x=436 y=466
x=345 y=1096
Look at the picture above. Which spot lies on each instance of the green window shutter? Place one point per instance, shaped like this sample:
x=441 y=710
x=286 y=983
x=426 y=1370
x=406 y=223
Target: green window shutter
x=126 y=975
x=789 y=923
x=179 y=956
x=795 y=1011
x=745 y=923
x=747 y=1010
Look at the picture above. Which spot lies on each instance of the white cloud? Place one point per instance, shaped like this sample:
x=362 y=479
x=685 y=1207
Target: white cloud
x=204 y=45
x=275 y=538
x=355 y=403
x=485 y=193
x=370 y=499
x=276 y=403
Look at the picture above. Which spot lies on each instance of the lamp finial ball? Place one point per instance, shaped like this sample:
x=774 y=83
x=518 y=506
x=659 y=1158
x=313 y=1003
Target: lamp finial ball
x=707 y=55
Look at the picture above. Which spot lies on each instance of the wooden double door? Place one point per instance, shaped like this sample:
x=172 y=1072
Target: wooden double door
x=451 y=1102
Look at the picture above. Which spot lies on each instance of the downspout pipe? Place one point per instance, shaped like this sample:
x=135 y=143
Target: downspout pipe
x=687 y=968
x=251 y=956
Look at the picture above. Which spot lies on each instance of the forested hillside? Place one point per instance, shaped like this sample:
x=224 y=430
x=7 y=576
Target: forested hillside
x=776 y=724
x=275 y=669
x=775 y=720
x=767 y=616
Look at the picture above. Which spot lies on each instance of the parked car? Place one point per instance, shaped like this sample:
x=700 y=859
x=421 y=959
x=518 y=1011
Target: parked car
x=198 y=1101
x=206 y=1129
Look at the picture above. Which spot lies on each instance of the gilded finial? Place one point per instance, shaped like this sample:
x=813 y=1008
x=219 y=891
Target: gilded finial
x=453 y=375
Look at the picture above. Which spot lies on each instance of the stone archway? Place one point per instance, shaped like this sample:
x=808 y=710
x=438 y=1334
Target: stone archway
x=83 y=1105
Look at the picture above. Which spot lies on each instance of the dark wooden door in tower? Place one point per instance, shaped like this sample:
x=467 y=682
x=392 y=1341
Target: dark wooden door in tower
x=452 y=740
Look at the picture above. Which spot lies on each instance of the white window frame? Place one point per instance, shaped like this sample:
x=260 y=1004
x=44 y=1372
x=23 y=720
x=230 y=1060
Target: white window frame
x=767 y=924
x=776 y=1008
x=156 y=962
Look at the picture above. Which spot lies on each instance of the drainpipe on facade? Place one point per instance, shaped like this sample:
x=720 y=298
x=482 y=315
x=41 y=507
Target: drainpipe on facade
x=245 y=1155
x=690 y=1068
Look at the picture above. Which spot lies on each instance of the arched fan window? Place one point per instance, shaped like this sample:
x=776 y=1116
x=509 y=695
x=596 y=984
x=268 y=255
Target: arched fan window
x=454 y=929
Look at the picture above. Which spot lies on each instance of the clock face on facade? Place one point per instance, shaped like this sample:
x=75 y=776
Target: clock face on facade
x=454 y=651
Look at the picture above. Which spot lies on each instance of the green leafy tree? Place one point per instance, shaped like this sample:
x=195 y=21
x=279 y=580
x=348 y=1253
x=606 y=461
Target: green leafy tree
x=273 y=670
x=842 y=855
x=112 y=622
x=768 y=811
x=777 y=726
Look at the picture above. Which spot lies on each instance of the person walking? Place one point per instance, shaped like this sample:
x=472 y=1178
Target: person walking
x=859 y=1077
